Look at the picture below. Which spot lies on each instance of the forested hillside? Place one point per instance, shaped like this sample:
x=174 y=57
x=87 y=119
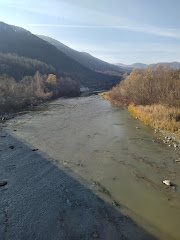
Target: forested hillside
x=85 y=59
x=18 y=67
x=18 y=41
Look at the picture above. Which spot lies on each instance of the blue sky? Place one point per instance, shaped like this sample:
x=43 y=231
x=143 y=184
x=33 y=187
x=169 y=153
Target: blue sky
x=124 y=31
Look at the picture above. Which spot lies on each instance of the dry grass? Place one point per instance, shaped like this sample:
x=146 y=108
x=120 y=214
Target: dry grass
x=158 y=116
x=105 y=95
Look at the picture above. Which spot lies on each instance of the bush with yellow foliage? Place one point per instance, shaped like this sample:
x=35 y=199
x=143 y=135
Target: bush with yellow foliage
x=152 y=95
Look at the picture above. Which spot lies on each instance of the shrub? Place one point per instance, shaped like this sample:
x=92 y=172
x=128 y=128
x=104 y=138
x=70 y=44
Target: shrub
x=152 y=95
x=146 y=87
x=17 y=95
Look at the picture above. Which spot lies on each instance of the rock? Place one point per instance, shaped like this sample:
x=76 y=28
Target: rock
x=167 y=182
x=177 y=160
x=175 y=145
x=137 y=127
x=168 y=139
x=11 y=147
x=35 y=149
x=3 y=183
x=95 y=235
x=65 y=163
x=115 y=203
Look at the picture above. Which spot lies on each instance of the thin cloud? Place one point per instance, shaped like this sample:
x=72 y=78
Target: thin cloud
x=164 y=32
x=88 y=18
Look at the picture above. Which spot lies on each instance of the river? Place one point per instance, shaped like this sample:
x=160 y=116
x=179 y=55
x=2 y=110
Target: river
x=107 y=152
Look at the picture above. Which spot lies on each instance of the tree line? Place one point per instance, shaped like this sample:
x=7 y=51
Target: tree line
x=150 y=86
x=31 y=90
x=18 y=66
x=152 y=96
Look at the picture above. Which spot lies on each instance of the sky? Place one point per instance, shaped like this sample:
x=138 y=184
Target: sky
x=116 y=31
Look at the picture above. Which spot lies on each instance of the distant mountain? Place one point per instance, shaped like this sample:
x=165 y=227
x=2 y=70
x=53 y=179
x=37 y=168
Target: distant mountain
x=139 y=65
x=133 y=66
x=84 y=58
x=173 y=65
x=18 y=41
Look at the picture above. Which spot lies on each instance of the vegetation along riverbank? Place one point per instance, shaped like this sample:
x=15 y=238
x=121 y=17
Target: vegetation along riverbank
x=152 y=96
x=16 y=96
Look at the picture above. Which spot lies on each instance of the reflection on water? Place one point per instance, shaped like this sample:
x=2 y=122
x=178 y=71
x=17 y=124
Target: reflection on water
x=119 y=161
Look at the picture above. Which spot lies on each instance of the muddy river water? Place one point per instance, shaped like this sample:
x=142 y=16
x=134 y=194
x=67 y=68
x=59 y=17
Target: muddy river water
x=112 y=154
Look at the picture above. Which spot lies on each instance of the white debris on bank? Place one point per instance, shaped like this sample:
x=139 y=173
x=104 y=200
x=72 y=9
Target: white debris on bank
x=167 y=182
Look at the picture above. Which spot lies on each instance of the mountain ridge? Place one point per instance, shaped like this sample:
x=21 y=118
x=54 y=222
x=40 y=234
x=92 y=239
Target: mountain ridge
x=84 y=58
x=174 y=65
x=18 y=41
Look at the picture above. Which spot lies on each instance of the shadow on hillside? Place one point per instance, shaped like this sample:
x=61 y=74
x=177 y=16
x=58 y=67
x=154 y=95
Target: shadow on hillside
x=42 y=201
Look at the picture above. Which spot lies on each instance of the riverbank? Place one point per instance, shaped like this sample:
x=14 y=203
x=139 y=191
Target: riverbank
x=153 y=97
x=57 y=168
x=39 y=199
x=27 y=93
x=44 y=196
x=161 y=118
